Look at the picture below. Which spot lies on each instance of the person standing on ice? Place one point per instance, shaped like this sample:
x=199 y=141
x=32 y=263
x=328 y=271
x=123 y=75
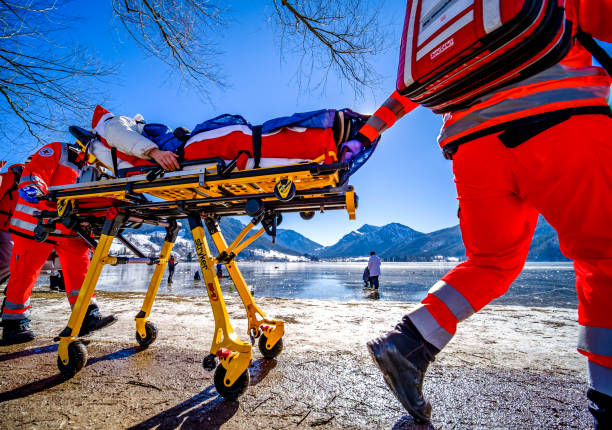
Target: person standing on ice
x=538 y=146
x=374 y=269
x=54 y=164
x=171 y=265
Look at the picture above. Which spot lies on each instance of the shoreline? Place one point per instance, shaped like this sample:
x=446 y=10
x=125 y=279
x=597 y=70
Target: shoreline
x=507 y=367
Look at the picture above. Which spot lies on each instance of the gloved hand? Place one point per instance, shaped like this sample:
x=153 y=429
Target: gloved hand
x=31 y=194
x=348 y=150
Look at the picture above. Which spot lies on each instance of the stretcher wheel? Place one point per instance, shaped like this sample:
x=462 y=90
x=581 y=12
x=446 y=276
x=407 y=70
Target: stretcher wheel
x=237 y=389
x=307 y=215
x=77 y=357
x=209 y=362
x=151 y=331
x=272 y=352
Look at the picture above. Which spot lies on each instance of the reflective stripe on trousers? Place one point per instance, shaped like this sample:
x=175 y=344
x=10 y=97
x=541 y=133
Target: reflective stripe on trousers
x=15 y=311
x=428 y=326
x=596 y=340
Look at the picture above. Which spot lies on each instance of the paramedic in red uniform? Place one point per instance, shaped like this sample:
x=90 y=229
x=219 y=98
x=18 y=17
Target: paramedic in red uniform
x=54 y=164
x=556 y=164
x=8 y=201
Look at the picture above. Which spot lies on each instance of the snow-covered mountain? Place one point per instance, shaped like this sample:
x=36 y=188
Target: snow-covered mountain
x=290 y=245
x=401 y=243
x=368 y=238
x=392 y=242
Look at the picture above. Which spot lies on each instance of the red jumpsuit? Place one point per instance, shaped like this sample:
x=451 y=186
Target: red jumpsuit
x=541 y=146
x=50 y=166
x=8 y=201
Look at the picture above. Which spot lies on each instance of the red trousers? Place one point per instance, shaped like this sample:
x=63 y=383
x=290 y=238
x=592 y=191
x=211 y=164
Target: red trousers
x=563 y=173
x=27 y=261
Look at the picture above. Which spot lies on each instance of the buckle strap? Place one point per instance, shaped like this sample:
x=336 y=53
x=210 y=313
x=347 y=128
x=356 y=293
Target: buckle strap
x=256 y=130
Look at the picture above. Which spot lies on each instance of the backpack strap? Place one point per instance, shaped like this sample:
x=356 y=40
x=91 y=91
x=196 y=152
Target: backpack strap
x=597 y=51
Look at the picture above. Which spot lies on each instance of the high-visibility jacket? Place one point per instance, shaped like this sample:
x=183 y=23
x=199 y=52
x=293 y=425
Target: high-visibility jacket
x=50 y=166
x=571 y=87
x=8 y=198
x=122 y=133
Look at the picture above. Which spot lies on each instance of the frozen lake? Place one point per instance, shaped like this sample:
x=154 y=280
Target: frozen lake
x=540 y=284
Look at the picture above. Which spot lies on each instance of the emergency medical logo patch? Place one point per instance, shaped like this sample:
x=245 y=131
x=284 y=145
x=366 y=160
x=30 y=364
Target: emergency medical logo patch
x=284 y=189
x=46 y=152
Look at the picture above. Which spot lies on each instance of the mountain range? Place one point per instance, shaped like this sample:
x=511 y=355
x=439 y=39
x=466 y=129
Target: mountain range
x=393 y=242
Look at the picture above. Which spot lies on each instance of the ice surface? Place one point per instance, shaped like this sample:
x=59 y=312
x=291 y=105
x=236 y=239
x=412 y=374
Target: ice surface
x=540 y=284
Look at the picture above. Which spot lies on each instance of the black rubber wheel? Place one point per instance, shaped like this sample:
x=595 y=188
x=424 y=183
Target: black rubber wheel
x=272 y=352
x=307 y=215
x=151 y=331
x=209 y=362
x=235 y=390
x=77 y=357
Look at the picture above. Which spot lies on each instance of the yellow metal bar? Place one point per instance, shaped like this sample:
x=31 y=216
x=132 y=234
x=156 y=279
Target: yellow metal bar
x=240 y=236
x=249 y=241
x=224 y=335
x=351 y=204
x=251 y=307
x=87 y=289
x=158 y=273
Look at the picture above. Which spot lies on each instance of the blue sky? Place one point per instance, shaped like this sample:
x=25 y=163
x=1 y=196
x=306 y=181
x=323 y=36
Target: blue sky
x=405 y=181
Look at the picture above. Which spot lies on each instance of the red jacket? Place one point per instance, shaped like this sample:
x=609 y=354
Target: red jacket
x=50 y=166
x=8 y=198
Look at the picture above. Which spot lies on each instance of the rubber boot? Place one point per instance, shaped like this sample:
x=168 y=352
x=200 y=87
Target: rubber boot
x=600 y=405
x=95 y=321
x=402 y=355
x=16 y=331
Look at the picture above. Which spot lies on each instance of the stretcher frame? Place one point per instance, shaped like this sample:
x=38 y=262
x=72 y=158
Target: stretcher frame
x=203 y=196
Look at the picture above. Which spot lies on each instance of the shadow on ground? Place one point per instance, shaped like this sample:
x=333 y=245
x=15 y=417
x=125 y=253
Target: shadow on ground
x=203 y=410
x=54 y=380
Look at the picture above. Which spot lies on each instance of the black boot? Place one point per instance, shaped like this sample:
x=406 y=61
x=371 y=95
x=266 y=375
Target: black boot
x=95 y=321
x=402 y=355
x=16 y=331
x=600 y=405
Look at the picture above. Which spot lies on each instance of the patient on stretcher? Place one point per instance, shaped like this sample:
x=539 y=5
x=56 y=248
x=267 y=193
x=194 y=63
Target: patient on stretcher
x=125 y=142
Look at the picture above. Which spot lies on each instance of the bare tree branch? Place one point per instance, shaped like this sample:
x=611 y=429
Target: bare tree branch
x=340 y=37
x=179 y=33
x=45 y=85
x=42 y=82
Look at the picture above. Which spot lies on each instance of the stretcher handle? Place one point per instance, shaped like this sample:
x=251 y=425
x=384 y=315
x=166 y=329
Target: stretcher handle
x=155 y=171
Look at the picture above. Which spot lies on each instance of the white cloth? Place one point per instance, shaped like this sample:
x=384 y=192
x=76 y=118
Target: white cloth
x=125 y=134
x=374 y=265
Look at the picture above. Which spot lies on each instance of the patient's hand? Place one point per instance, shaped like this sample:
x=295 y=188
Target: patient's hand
x=167 y=159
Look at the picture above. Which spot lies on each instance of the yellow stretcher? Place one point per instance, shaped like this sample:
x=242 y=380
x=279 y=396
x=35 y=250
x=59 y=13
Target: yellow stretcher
x=202 y=195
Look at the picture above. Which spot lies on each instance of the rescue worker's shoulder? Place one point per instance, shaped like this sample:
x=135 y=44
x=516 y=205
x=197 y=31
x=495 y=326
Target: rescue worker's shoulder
x=591 y=16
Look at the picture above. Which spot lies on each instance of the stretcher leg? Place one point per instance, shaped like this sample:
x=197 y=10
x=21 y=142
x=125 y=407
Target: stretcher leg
x=146 y=332
x=270 y=329
x=72 y=354
x=232 y=376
